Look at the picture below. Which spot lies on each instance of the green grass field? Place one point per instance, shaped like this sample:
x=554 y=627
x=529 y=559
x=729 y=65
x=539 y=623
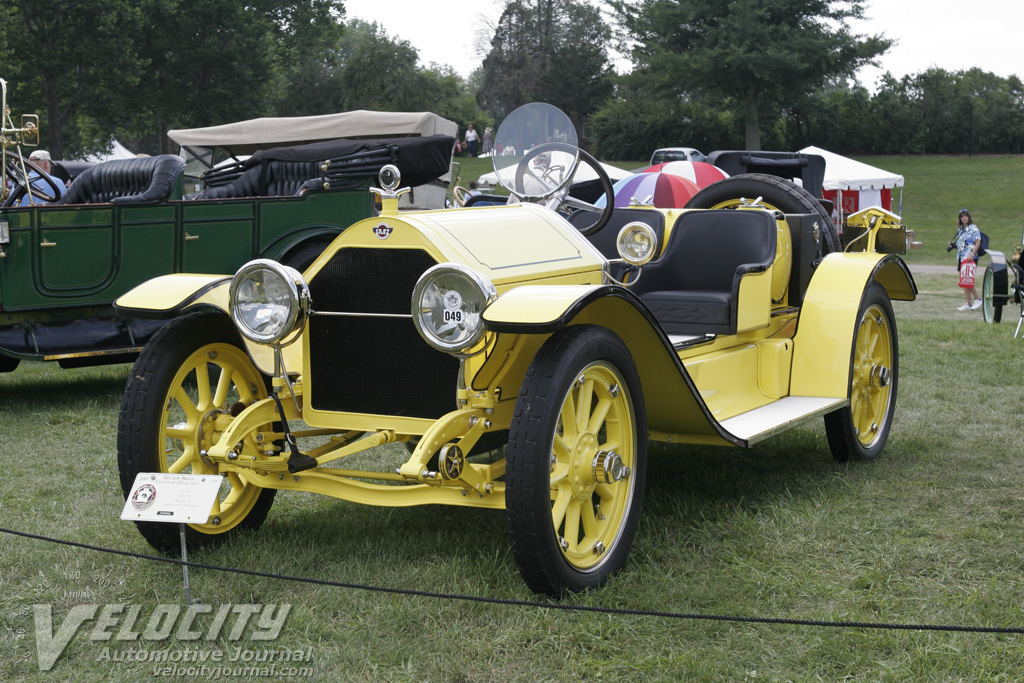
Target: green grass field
x=936 y=188
x=930 y=534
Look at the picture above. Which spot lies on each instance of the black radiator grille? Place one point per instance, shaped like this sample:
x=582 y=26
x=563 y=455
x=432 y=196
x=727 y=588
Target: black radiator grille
x=370 y=364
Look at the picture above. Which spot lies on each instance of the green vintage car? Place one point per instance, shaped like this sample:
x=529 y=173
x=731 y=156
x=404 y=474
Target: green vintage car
x=268 y=188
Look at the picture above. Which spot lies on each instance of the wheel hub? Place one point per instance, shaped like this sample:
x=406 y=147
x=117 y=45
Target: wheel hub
x=880 y=376
x=583 y=481
x=205 y=431
x=607 y=468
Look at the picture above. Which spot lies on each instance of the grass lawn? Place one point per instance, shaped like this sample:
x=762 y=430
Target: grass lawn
x=928 y=534
x=936 y=188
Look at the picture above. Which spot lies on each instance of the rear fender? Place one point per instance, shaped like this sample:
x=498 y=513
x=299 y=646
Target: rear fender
x=279 y=249
x=824 y=339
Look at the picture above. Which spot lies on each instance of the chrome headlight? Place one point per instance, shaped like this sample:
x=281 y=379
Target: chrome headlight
x=636 y=243
x=448 y=304
x=268 y=301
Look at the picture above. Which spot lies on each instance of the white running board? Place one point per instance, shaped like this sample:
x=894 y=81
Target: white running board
x=761 y=423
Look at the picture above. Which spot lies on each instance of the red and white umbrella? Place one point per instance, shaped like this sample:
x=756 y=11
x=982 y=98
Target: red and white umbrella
x=663 y=190
x=698 y=172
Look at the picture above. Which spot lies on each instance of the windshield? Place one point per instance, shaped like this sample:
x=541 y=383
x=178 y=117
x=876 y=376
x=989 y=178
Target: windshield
x=536 y=151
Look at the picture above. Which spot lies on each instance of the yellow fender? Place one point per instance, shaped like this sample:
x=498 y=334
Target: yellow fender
x=675 y=410
x=170 y=296
x=826 y=330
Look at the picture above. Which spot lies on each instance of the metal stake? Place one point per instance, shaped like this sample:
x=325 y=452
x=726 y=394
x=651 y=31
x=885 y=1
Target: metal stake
x=184 y=566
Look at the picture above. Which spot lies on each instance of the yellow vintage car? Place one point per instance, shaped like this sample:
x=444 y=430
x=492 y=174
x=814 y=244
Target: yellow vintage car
x=524 y=353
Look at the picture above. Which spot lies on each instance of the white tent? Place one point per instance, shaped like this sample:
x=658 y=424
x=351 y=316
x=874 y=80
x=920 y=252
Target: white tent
x=117 y=151
x=854 y=185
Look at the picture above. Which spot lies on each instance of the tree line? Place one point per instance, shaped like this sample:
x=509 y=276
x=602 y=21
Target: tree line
x=713 y=74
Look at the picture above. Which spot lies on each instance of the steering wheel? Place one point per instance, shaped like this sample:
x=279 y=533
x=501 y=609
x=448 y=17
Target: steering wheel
x=549 y=182
x=22 y=176
x=459 y=195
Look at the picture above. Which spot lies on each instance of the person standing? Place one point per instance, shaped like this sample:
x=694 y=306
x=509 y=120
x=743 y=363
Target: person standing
x=471 y=140
x=488 y=142
x=967 y=243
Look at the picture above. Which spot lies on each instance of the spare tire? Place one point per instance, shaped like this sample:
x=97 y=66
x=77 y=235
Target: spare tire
x=774 y=193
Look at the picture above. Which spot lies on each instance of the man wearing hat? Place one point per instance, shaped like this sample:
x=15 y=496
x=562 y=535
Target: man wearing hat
x=41 y=158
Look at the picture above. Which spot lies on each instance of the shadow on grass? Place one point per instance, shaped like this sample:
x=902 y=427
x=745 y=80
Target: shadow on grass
x=690 y=491
x=39 y=386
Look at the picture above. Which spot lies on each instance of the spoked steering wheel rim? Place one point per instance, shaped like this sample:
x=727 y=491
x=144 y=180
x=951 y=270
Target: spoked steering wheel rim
x=558 y=196
x=22 y=177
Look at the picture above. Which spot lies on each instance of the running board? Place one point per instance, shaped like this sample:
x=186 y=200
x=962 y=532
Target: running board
x=778 y=416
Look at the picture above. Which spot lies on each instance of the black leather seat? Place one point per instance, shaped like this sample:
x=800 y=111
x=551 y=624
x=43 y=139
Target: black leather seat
x=269 y=179
x=693 y=288
x=144 y=180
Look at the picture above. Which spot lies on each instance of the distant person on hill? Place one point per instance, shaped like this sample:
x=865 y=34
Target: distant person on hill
x=967 y=242
x=488 y=142
x=471 y=140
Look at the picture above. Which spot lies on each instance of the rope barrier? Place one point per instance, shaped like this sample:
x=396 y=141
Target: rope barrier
x=526 y=603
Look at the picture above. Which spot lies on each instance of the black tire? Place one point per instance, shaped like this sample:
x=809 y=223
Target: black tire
x=860 y=430
x=775 y=193
x=302 y=257
x=186 y=353
x=8 y=364
x=580 y=546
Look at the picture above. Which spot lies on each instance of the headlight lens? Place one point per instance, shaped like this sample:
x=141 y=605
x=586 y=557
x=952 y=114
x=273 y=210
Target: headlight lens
x=637 y=243
x=448 y=304
x=268 y=301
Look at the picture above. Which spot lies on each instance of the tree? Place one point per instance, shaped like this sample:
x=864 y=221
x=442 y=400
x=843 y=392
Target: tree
x=378 y=72
x=306 y=34
x=547 y=50
x=55 y=67
x=216 y=61
x=754 y=54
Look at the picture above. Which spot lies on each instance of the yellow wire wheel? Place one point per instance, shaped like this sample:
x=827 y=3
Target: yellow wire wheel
x=576 y=462
x=186 y=387
x=861 y=429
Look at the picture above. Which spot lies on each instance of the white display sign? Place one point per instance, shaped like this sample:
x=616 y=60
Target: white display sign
x=180 y=498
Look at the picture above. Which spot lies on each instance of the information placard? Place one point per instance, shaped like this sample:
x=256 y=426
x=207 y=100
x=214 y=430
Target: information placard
x=180 y=498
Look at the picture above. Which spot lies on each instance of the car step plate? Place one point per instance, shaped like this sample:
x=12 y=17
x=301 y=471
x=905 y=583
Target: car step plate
x=761 y=423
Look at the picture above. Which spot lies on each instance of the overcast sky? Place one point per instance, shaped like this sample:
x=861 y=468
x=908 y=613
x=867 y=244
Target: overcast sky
x=952 y=35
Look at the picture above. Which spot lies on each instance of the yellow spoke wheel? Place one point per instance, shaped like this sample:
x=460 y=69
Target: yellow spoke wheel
x=861 y=429
x=186 y=387
x=576 y=462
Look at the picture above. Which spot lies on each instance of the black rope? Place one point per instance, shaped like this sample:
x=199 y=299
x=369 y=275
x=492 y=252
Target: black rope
x=528 y=603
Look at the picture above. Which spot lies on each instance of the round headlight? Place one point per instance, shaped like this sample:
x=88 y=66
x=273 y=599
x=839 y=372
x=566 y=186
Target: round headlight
x=637 y=243
x=448 y=304
x=268 y=301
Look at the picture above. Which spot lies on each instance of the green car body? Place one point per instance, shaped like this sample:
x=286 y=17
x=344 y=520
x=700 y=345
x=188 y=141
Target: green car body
x=279 y=189
x=63 y=266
